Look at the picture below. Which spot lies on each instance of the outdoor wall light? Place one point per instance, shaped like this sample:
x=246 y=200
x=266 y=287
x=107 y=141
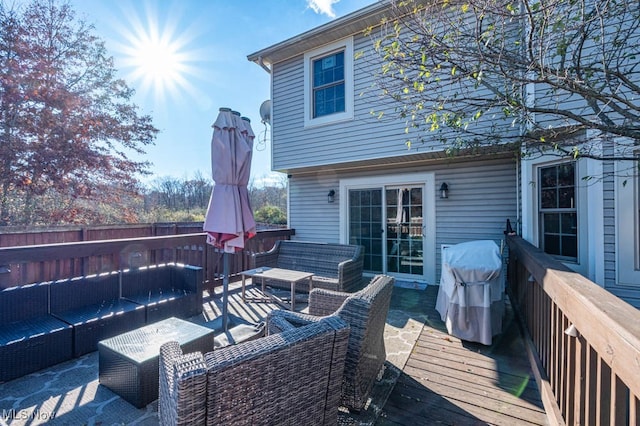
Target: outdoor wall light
x=444 y=190
x=331 y=196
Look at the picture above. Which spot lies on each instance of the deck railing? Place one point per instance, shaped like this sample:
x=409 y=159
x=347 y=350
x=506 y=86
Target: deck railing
x=47 y=262
x=584 y=341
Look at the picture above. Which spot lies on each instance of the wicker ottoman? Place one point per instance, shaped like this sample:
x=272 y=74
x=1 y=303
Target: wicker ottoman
x=128 y=363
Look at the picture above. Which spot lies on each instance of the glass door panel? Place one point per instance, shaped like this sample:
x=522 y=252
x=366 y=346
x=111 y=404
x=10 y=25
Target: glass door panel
x=365 y=225
x=404 y=230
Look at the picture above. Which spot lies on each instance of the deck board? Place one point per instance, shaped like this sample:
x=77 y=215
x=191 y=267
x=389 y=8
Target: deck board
x=447 y=381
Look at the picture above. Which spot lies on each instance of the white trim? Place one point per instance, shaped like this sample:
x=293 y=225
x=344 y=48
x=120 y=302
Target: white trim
x=627 y=203
x=590 y=213
x=428 y=210
x=595 y=222
x=346 y=45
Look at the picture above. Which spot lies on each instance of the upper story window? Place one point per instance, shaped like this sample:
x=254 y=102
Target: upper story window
x=328 y=85
x=558 y=210
x=328 y=73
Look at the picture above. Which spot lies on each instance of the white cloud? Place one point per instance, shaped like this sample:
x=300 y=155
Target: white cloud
x=323 y=6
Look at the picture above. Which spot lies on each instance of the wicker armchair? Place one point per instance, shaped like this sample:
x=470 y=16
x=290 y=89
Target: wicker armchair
x=291 y=378
x=366 y=312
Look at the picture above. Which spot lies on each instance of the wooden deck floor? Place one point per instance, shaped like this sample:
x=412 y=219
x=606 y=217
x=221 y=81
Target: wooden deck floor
x=450 y=382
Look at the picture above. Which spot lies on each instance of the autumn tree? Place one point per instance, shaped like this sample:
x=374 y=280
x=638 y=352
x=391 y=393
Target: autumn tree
x=69 y=127
x=273 y=193
x=479 y=73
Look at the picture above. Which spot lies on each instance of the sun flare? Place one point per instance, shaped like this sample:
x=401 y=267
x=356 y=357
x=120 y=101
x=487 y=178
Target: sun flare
x=156 y=57
x=158 y=61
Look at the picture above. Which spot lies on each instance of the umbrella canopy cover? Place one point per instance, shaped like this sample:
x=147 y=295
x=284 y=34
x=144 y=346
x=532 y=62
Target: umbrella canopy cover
x=229 y=220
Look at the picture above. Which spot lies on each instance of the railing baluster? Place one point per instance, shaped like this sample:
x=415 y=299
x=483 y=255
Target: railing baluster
x=634 y=410
x=579 y=380
x=592 y=385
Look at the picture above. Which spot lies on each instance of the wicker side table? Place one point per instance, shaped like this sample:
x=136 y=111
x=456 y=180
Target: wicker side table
x=128 y=363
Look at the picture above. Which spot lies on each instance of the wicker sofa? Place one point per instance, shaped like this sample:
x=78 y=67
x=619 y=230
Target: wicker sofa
x=291 y=378
x=335 y=267
x=366 y=312
x=30 y=338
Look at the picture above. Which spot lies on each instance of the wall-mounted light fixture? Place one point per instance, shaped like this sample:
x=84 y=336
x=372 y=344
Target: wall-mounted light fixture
x=444 y=190
x=331 y=196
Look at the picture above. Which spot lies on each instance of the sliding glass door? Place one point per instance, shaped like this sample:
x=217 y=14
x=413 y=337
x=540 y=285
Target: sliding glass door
x=388 y=220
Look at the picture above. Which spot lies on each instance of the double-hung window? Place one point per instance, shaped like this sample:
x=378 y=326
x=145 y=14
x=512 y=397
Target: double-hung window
x=562 y=212
x=558 y=210
x=328 y=73
x=328 y=85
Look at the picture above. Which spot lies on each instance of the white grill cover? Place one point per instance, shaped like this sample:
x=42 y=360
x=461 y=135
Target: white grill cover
x=470 y=298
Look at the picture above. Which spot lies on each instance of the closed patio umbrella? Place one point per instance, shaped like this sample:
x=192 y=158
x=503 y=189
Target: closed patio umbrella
x=229 y=220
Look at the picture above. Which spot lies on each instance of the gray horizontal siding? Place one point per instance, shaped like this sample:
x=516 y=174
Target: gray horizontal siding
x=363 y=138
x=310 y=214
x=615 y=41
x=609 y=217
x=482 y=196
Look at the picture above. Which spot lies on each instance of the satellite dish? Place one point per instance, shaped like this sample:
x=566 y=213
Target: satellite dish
x=265 y=111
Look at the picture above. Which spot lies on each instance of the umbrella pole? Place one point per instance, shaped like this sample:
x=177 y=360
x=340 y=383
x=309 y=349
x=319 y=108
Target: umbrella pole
x=225 y=291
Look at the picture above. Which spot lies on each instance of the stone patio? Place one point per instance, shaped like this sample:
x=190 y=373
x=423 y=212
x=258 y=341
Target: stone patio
x=69 y=393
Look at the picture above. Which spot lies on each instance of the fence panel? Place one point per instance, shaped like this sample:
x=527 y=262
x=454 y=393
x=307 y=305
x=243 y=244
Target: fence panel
x=26 y=263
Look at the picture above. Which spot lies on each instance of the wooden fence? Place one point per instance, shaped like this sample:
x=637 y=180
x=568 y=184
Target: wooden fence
x=24 y=264
x=584 y=341
x=11 y=236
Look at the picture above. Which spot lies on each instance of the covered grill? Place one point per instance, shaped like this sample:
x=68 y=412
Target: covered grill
x=471 y=295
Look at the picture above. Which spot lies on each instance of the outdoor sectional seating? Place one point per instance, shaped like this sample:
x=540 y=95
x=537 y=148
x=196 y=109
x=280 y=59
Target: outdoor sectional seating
x=47 y=323
x=30 y=338
x=335 y=267
x=93 y=306
x=165 y=291
x=102 y=306
x=289 y=378
x=366 y=312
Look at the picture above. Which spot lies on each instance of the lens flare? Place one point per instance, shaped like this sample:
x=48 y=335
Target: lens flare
x=157 y=57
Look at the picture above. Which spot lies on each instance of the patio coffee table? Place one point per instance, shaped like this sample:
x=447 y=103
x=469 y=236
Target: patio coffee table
x=287 y=275
x=128 y=363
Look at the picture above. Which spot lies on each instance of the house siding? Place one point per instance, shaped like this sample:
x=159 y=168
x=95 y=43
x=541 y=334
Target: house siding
x=484 y=191
x=609 y=217
x=310 y=214
x=297 y=147
x=592 y=56
x=483 y=195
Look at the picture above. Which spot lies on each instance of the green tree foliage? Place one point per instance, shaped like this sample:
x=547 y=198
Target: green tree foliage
x=170 y=199
x=271 y=215
x=484 y=72
x=68 y=127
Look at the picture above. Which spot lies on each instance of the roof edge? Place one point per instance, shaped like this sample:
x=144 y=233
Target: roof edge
x=363 y=15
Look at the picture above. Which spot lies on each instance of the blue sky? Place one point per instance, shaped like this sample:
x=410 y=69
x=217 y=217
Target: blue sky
x=201 y=47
